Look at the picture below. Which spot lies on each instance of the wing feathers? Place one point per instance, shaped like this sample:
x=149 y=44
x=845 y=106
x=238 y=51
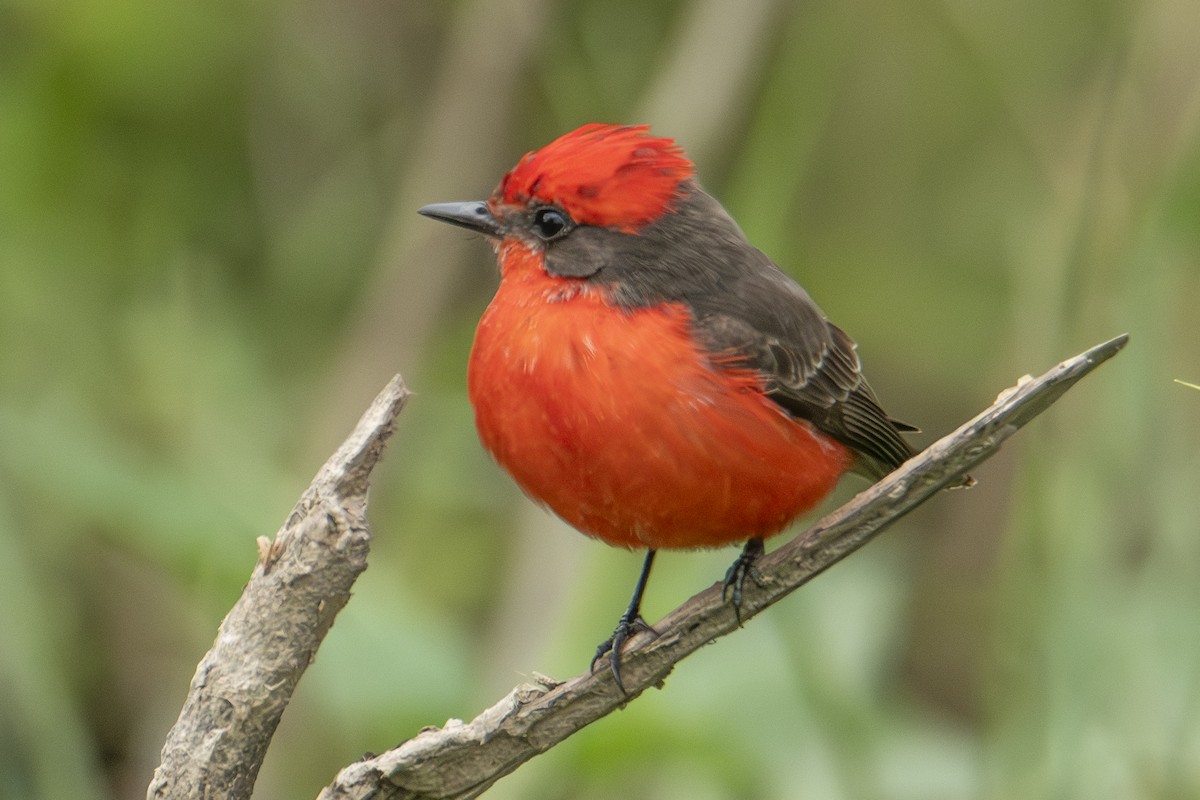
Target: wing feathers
x=749 y=314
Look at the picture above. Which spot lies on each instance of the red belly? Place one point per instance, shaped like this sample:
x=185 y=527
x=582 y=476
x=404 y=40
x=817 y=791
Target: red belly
x=616 y=421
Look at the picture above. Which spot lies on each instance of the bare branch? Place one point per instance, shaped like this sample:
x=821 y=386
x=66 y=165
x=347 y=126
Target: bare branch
x=462 y=760
x=263 y=646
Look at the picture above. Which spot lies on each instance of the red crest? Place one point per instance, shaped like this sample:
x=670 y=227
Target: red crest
x=609 y=175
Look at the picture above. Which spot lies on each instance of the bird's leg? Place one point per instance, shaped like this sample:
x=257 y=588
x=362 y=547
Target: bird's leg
x=631 y=622
x=735 y=576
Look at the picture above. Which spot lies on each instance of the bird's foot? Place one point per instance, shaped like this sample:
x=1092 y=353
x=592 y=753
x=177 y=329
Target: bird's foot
x=735 y=576
x=628 y=626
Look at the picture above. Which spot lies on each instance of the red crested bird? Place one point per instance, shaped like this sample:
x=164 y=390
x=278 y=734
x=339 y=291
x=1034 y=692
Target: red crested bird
x=647 y=373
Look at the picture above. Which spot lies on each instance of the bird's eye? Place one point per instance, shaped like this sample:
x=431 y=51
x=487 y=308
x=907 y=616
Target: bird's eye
x=550 y=223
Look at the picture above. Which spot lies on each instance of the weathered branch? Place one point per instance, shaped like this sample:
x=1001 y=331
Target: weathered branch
x=263 y=646
x=462 y=760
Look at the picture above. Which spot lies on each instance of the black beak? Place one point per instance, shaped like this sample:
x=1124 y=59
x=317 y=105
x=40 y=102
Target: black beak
x=474 y=216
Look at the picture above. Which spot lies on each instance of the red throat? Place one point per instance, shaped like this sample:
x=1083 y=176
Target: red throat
x=619 y=422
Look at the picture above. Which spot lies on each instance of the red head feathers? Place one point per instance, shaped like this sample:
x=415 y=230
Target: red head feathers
x=607 y=175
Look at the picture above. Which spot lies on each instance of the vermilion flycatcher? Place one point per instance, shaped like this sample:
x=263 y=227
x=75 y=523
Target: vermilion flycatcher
x=648 y=374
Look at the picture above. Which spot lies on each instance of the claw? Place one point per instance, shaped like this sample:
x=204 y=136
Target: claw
x=611 y=646
x=735 y=576
x=631 y=622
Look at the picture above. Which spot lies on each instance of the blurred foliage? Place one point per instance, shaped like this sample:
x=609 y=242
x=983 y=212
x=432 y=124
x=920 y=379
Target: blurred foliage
x=210 y=261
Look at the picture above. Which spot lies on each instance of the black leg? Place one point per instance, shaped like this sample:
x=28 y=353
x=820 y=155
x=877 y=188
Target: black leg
x=630 y=623
x=735 y=577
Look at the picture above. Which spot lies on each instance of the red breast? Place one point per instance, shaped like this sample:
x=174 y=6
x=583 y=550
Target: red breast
x=622 y=424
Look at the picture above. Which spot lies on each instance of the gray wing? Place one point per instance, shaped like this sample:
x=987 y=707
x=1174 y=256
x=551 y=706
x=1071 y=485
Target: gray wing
x=809 y=365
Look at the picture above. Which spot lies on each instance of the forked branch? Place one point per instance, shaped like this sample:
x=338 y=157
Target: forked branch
x=304 y=576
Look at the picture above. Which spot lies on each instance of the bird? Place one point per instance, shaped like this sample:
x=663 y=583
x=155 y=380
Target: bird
x=649 y=375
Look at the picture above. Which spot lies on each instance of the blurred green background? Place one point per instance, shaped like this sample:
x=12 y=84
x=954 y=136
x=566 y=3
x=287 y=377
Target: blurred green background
x=210 y=262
